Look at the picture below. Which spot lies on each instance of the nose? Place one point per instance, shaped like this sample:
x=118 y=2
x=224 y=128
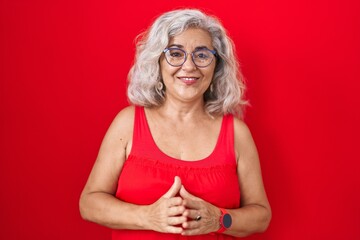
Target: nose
x=189 y=64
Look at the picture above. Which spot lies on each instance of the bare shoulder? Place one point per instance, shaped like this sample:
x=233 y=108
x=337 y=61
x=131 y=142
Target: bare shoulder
x=242 y=131
x=119 y=134
x=126 y=115
x=244 y=143
x=124 y=121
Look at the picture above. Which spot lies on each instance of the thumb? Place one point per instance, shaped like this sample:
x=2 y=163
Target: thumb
x=174 y=189
x=185 y=194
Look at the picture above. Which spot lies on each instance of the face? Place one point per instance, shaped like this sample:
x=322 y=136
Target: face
x=188 y=82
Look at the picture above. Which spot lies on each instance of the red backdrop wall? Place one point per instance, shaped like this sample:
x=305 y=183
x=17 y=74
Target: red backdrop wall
x=63 y=77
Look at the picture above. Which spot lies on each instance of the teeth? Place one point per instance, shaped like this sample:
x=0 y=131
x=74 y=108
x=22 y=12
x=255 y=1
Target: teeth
x=188 y=78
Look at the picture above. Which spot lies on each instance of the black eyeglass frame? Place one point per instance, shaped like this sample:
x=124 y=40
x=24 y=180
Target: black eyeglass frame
x=192 y=56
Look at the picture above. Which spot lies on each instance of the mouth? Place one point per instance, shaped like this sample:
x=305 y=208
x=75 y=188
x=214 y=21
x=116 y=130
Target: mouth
x=188 y=80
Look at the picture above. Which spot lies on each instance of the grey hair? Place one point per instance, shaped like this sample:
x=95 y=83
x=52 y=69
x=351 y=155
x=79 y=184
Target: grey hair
x=228 y=84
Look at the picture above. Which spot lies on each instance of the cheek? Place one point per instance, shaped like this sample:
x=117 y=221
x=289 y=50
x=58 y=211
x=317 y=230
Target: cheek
x=166 y=70
x=210 y=73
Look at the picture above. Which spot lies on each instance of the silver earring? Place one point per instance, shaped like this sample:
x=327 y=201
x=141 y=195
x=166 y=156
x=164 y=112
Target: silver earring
x=211 y=88
x=159 y=86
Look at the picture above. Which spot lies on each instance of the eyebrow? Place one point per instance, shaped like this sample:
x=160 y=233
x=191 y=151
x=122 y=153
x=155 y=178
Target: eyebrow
x=176 y=45
x=181 y=46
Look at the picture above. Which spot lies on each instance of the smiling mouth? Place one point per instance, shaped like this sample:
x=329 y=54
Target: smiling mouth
x=188 y=80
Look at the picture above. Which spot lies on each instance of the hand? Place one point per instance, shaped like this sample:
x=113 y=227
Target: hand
x=166 y=214
x=195 y=207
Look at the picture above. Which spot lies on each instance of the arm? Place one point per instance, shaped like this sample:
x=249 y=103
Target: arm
x=254 y=214
x=98 y=202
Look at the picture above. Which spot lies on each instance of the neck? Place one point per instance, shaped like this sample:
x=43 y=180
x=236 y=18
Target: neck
x=183 y=111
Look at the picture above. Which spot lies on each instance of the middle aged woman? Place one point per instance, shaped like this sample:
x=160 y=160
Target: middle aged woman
x=175 y=163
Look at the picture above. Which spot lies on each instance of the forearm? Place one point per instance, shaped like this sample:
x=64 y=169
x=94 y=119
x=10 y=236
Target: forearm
x=248 y=220
x=107 y=210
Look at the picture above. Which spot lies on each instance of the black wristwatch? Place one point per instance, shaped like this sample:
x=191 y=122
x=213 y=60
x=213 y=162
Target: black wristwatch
x=225 y=221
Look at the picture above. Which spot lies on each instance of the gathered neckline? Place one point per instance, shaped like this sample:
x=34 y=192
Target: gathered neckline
x=182 y=160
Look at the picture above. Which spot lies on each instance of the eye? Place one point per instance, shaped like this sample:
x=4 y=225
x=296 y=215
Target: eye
x=176 y=53
x=202 y=55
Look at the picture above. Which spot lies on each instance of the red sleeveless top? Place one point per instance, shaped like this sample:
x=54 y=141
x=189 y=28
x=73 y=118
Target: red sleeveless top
x=148 y=173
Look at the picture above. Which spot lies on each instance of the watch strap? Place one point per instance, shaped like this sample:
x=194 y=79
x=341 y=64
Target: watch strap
x=222 y=228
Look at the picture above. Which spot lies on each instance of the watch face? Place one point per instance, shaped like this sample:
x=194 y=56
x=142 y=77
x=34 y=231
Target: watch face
x=227 y=220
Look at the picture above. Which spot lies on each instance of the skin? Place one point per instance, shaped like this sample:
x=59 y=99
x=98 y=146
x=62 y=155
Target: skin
x=177 y=91
x=182 y=113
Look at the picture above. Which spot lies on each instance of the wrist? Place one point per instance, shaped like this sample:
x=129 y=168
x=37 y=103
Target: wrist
x=143 y=217
x=225 y=221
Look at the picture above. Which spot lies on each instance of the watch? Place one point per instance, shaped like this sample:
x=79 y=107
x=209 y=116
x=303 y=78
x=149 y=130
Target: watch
x=225 y=221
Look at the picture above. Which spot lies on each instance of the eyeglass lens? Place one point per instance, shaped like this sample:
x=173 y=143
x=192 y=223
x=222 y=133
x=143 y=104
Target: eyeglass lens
x=177 y=57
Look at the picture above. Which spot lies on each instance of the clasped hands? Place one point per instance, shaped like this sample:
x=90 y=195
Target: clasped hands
x=180 y=212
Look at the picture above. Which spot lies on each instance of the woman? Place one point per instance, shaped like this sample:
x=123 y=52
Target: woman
x=176 y=162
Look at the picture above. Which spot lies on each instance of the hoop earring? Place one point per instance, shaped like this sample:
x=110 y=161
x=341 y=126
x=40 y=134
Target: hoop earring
x=211 y=88
x=159 y=86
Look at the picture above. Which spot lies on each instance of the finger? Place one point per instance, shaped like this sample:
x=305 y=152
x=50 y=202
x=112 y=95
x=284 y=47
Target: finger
x=172 y=229
x=175 y=211
x=191 y=225
x=191 y=214
x=190 y=232
x=174 y=189
x=176 y=220
x=174 y=201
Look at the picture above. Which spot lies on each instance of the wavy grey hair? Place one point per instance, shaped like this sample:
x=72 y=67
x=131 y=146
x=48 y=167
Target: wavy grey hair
x=227 y=95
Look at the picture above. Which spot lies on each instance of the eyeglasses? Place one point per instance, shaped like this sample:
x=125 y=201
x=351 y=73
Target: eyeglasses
x=176 y=57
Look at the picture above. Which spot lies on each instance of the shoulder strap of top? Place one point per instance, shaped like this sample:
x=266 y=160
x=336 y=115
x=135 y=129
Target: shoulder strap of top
x=226 y=140
x=141 y=133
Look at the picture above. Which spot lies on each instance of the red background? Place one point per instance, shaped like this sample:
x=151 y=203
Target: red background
x=63 y=69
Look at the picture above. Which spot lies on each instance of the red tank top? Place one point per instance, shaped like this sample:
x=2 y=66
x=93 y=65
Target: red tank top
x=148 y=173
